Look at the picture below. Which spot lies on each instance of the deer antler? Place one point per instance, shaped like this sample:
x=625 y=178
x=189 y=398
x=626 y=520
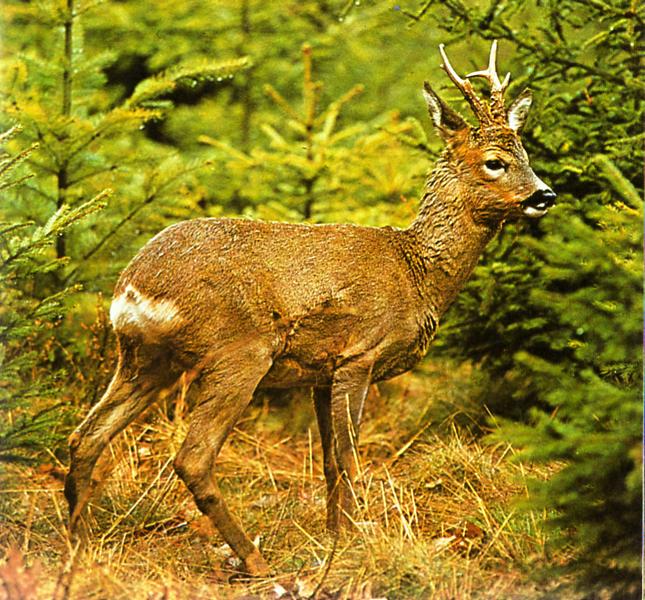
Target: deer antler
x=485 y=113
x=490 y=74
x=464 y=86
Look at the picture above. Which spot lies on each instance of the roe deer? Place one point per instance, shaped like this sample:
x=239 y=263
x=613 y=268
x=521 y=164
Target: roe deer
x=244 y=305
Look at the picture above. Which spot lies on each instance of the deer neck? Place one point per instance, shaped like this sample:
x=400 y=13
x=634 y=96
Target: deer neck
x=447 y=240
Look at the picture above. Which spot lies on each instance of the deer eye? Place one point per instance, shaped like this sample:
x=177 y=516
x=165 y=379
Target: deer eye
x=495 y=164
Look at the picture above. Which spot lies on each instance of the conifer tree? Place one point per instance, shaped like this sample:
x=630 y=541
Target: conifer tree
x=30 y=409
x=318 y=169
x=89 y=139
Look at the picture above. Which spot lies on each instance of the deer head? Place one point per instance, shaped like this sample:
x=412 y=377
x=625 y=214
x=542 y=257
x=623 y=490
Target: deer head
x=488 y=162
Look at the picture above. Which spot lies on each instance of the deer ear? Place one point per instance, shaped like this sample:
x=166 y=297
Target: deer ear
x=446 y=120
x=518 y=111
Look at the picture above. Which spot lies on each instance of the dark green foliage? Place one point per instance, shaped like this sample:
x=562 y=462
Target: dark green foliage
x=90 y=137
x=593 y=389
x=314 y=168
x=553 y=315
x=30 y=381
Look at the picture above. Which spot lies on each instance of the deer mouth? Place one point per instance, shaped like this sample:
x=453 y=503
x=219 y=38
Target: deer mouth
x=538 y=203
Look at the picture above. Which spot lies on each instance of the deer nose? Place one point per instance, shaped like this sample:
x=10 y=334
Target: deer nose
x=539 y=202
x=547 y=196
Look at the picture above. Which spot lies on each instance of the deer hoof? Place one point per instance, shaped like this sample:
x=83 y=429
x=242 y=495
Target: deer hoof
x=256 y=566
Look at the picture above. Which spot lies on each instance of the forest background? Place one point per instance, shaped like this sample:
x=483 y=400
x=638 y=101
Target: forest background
x=508 y=464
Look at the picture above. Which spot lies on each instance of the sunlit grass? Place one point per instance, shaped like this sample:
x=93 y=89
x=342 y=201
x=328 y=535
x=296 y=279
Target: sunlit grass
x=436 y=514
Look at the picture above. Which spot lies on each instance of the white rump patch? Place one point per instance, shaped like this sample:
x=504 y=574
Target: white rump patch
x=132 y=312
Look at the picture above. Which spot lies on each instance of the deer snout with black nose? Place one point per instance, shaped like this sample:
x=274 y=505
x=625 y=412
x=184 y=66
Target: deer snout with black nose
x=539 y=202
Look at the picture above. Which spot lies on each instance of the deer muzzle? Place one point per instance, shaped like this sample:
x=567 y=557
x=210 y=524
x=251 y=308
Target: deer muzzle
x=538 y=203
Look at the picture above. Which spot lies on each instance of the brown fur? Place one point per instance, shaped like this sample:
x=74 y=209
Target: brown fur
x=243 y=305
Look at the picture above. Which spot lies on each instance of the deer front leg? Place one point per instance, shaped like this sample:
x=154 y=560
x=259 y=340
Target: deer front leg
x=348 y=392
x=322 y=404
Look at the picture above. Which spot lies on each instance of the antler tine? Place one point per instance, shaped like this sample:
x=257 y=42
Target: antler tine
x=490 y=74
x=447 y=67
x=465 y=87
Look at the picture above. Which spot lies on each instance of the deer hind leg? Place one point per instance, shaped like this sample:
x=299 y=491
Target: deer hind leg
x=122 y=403
x=322 y=404
x=348 y=392
x=225 y=392
x=128 y=394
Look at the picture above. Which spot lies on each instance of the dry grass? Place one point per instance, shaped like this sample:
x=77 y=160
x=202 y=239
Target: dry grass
x=436 y=515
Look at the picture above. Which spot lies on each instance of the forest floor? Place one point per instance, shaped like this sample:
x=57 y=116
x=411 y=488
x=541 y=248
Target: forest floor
x=438 y=516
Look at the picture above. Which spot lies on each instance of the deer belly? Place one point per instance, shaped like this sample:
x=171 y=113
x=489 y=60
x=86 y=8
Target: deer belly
x=291 y=371
x=386 y=368
x=311 y=348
